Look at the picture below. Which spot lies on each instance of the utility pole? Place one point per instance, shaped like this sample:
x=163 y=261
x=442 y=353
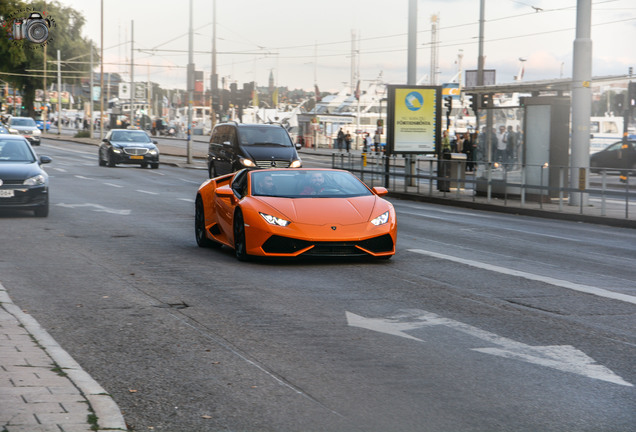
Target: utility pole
x=412 y=44
x=190 y=87
x=213 y=78
x=59 y=94
x=132 y=73
x=101 y=77
x=581 y=102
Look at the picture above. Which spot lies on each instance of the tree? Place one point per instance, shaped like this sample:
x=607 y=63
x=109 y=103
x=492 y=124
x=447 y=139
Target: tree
x=23 y=62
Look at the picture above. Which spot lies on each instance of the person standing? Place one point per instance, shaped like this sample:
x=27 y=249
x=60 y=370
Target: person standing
x=367 y=143
x=348 y=141
x=501 y=145
x=377 y=140
x=340 y=139
x=469 y=148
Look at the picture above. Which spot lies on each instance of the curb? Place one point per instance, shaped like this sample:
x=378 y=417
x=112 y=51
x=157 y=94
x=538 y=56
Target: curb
x=109 y=417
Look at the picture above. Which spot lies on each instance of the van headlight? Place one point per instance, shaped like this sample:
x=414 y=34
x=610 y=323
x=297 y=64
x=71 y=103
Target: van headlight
x=248 y=163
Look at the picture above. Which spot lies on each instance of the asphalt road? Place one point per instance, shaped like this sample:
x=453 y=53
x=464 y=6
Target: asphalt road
x=481 y=322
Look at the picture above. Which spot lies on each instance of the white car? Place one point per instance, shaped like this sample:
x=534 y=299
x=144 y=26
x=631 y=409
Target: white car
x=26 y=127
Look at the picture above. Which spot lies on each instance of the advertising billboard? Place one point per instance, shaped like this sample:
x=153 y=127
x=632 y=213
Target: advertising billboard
x=414 y=118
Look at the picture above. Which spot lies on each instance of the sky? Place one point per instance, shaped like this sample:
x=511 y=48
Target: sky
x=302 y=42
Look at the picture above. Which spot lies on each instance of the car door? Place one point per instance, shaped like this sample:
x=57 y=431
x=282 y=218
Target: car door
x=610 y=157
x=224 y=206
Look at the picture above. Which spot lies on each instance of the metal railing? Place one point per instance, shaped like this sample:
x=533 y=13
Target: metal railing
x=514 y=185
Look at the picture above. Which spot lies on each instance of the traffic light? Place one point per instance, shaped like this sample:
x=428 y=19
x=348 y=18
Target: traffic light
x=485 y=101
x=631 y=102
x=620 y=101
x=474 y=103
x=448 y=105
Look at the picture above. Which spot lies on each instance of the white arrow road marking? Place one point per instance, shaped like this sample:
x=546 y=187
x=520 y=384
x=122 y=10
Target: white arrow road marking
x=565 y=358
x=545 y=279
x=96 y=208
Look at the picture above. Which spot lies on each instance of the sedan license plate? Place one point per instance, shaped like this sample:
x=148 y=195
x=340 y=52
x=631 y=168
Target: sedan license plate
x=6 y=193
x=136 y=157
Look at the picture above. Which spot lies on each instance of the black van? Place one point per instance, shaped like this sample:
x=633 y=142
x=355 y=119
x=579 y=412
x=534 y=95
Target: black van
x=234 y=146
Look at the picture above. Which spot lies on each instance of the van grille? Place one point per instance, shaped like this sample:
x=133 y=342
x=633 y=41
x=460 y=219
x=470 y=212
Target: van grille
x=272 y=164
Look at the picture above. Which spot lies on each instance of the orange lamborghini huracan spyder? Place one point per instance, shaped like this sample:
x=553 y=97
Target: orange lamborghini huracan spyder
x=295 y=213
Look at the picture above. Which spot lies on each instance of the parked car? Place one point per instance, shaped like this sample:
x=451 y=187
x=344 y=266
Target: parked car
x=295 y=213
x=234 y=146
x=615 y=156
x=23 y=183
x=128 y=146
x=26 y=127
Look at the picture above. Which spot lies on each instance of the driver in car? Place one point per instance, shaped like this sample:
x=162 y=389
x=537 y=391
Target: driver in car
x=316 y=184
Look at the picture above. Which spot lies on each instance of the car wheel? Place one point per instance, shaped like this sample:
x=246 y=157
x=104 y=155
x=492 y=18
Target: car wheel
x=101 y=161
x=110 y=162
x=199 y=226
x=144 y=165
x=212 y=171
x=43 y=210
x=594 y=167
x=154 y=165
x=240 y=248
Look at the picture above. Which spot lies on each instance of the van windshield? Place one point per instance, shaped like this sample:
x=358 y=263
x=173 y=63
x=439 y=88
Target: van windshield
x=264 y=135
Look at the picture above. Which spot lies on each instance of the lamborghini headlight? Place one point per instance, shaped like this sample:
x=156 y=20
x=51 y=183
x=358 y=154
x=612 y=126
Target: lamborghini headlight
x=382 y=219
x=273 y=220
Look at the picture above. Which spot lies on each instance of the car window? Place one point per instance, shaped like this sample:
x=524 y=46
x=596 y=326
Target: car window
x=264 y=135
x=614 y=147
x=231 y=136
x=22 y=122
x=15 y=151
x=130 y=136
x=239 y=184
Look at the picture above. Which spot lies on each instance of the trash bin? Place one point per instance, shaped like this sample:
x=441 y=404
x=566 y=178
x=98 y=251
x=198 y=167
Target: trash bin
x=451 y=166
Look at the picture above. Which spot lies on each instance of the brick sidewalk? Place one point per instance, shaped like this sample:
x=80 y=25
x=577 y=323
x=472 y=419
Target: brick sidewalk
x=42 y=388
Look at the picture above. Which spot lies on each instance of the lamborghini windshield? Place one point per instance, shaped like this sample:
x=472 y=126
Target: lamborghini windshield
x=307 y=184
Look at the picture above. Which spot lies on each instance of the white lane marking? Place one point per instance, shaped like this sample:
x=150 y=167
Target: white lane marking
x=565 y=358
x=147 y=192
x=96 y=208
x=506 y=229
x=60 y=169
x=113 y=185
x=600 y=292
x=190 y=200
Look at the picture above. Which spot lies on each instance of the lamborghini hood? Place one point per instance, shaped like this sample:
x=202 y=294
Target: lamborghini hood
x=321 y=211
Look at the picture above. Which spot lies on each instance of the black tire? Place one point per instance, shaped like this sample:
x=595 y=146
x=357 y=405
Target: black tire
x=144 y=165
x=199 y=226
x=101 y=161
x=240 y=247
x=154 y=165
x=43 y=210
x=109 y=159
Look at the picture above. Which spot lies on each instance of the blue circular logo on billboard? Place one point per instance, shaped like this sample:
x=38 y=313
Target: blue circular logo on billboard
x=414 y=101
